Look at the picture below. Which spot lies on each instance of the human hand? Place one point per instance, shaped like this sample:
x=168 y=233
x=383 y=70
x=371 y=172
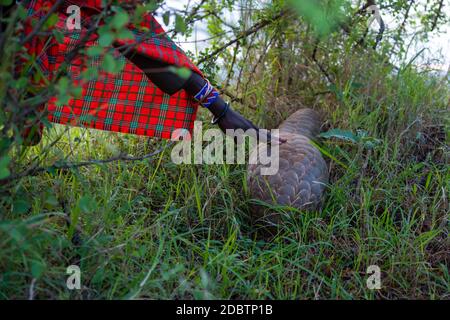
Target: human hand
x=234 y=120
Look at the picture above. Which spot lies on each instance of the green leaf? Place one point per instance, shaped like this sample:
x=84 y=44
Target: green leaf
x=50 y=200
x=183 y=72
x=89 y=74
x=77 y=92
x=120 y=19
x=21 y=11
x=125 y=34
x=51 y=21
x=361 y=137
x=151 y=5
x=109 y=63
x=14 y=231
x=5 y=143
x=120 y=64
x=166 y=18
x=6 y=2
x=21 y=83
x=86 y=204
x=94 y=51
x=83 y=203
x=21 y=206
x=59 y=36
x=340 y=134
x=37 y=268
x=323 y=16
x=63 y=89
x=106 y=39
x=180 y=25
x=98 y=276
x=63 y=84
x=4 y=170
x=366 y=140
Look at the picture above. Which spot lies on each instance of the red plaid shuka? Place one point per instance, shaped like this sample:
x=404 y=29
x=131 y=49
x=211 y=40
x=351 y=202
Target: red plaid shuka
x=125 y=102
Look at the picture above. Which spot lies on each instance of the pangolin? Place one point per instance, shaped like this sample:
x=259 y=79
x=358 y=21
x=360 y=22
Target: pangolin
x=302 y=174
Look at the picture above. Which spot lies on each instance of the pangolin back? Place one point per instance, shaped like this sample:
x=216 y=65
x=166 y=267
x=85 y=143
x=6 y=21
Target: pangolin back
x=302 y=175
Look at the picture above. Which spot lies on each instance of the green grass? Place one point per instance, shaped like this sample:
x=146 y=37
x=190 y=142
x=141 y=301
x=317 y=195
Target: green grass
x=152 y=229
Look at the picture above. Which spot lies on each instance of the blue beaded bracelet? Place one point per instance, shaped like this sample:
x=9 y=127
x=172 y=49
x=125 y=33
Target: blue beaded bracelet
x=210 y=99
x=204 y=92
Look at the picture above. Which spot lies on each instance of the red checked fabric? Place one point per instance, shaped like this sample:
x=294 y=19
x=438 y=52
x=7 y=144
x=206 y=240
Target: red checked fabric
x=125 y=102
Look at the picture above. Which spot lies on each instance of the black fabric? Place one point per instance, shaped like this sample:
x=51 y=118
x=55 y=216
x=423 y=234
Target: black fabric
x=167 y=81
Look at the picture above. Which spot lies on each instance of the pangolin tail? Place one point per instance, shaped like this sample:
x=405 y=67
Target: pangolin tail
x=306 y=122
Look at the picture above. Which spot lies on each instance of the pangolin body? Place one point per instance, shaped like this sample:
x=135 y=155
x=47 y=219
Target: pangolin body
x=302 y=174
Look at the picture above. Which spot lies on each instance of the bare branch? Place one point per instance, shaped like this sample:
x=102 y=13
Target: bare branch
x=322 y=69
x=438 y=14
x=66 y=166
x=255 y=28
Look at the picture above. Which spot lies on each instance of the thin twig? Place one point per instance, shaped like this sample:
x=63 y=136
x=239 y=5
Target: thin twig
x=253 y=29
x=121 y=157
x=322 y=69
x=438 y=14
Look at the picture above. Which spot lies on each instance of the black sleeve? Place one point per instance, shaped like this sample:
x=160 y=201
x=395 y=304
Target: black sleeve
x=167 y=81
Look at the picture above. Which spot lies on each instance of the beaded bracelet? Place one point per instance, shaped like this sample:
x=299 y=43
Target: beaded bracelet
x=207 y=95
x=204 y=92
x=210 y=99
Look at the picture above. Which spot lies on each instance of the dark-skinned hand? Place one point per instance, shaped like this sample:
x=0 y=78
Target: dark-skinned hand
x=234 y=120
